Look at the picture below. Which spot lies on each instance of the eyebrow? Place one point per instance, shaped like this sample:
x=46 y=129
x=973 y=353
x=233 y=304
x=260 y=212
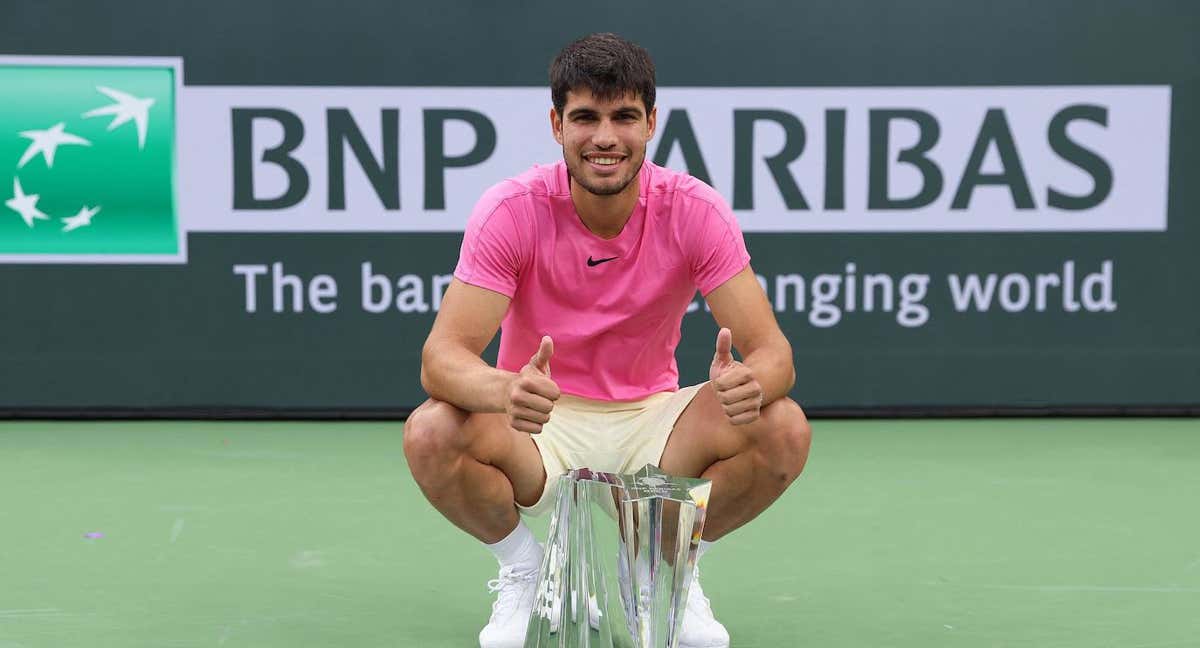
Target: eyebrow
x=585 y=111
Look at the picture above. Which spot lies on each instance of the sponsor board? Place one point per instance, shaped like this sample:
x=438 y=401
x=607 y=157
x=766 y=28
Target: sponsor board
x=114 y=160
x=979 y=159
x=89 y=147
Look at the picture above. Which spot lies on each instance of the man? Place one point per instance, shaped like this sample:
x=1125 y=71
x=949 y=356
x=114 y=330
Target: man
x=590 y=265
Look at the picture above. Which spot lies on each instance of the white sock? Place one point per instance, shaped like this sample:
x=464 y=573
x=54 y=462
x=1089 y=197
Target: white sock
x=518 y=548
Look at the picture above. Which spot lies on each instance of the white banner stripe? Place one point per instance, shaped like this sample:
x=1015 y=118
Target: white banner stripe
x=1128 y=142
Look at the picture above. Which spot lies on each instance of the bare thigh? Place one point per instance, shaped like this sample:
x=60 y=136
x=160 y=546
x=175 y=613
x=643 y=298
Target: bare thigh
x=703 y=435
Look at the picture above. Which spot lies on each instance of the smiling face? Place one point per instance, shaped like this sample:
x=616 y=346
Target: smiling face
x=604 y=142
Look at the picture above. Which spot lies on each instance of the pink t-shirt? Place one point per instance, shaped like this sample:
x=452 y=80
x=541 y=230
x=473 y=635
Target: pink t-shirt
x=613 y=307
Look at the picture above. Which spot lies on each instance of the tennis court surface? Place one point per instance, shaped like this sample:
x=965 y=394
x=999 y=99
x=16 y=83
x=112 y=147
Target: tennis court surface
x=1047 y=533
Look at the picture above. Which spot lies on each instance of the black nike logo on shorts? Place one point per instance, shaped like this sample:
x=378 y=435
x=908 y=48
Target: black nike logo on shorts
x=592 y=264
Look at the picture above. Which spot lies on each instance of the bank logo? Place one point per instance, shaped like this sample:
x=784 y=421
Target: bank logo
x=652 y=482
x=87 y=151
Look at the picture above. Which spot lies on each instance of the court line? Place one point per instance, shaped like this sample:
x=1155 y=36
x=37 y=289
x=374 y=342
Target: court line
x=49 y=614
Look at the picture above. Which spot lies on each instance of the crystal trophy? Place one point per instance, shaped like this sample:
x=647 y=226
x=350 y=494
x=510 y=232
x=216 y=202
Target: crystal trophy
x=619 y=560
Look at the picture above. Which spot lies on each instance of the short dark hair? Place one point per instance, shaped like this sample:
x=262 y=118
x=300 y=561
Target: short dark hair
x=607 y=65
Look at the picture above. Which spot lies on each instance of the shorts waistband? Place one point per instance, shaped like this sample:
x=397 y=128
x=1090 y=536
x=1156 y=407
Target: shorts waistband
x=580 y=403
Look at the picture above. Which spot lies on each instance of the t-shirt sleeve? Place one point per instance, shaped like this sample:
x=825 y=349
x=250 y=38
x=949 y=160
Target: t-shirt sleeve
x=490 y=256
x=718 y=250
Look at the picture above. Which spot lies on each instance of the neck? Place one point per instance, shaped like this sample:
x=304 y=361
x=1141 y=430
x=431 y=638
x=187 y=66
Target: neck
x=605 y=216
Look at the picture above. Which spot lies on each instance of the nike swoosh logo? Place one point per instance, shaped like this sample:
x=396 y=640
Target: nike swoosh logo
x=592 y=264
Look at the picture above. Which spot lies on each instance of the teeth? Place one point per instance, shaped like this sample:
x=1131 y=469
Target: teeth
x=600 y=160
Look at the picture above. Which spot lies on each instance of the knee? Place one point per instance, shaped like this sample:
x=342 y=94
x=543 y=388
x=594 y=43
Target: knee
x=791 y=436
x=431 y=434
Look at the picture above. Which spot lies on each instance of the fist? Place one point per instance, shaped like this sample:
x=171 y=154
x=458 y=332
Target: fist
x=738 y=392
x=532 y=393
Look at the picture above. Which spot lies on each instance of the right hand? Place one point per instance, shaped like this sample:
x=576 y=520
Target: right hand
x=532 y=393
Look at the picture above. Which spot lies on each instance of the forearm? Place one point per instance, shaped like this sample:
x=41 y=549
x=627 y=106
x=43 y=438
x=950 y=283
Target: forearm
x=455 y=375
x=773 y=369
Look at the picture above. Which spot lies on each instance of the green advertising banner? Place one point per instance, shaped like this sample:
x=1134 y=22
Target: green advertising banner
x=994 y=217
x=128 y=173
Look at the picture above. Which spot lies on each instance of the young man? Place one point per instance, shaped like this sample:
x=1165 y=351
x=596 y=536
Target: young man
x=590 y=264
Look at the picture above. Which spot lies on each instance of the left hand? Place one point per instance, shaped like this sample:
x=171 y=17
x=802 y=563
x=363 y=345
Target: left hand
x=738 y=392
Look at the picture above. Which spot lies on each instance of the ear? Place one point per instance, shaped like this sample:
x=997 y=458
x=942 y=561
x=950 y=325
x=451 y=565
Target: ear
x=556 y=125
x=651 y=123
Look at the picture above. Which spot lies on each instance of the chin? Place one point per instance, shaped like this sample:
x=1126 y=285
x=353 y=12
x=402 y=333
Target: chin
x=603 y=189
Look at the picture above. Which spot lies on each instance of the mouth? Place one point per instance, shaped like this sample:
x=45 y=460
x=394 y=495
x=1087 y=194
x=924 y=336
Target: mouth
x=604 y=163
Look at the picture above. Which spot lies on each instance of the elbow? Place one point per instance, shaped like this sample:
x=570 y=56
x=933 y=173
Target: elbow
x=427 y=379
x=790 y=359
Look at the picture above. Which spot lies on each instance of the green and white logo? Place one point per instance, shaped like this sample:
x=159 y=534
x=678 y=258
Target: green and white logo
x=87 y=162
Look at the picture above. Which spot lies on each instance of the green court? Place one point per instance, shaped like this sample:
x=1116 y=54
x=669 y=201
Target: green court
x=1047 y=533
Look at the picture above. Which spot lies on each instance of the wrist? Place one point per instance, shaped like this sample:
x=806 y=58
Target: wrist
x=502 y=396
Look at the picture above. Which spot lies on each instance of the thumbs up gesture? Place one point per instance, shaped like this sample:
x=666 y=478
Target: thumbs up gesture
x=738 y=392
x=532 y=393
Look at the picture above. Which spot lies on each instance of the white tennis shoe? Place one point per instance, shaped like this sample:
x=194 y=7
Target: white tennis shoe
x=515 y=590
x=700 y=628
x=516 y=597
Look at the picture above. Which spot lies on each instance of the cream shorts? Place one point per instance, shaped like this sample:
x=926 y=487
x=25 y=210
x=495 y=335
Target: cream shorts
x=605 y=436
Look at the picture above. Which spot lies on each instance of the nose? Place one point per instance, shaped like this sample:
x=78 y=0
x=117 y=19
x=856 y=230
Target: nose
x=605 y=135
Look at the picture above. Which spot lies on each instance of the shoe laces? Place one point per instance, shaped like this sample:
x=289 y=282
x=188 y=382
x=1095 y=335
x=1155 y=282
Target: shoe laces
x=509 y=586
